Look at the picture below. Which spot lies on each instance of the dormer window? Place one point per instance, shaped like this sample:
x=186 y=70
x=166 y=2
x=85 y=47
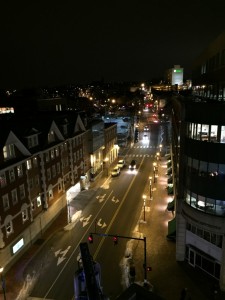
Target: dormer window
x=32 y=141
x=9 y=151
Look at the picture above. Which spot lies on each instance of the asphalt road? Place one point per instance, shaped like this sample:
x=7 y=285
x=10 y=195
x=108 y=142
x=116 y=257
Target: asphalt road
x=114 y=208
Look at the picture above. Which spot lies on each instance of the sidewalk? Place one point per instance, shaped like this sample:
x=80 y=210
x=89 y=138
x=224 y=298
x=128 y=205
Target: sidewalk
x=168 y=277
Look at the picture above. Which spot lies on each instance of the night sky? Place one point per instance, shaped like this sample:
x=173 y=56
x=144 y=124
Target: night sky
x=70 y=41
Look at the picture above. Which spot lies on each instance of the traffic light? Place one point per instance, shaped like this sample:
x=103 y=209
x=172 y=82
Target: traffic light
x=115 y=239
x=90 y=239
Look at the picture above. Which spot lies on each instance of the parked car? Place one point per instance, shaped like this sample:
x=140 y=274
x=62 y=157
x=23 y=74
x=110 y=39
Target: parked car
x=115 y=172
x=121 y=164
x=132 y=165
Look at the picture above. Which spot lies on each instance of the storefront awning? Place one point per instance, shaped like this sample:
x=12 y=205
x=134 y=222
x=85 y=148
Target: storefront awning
x=172 y=229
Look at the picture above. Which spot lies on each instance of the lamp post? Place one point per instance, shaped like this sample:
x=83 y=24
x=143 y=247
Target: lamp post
x=150 y=187
x=154 y=170
x=3 y=282
x=144 y=198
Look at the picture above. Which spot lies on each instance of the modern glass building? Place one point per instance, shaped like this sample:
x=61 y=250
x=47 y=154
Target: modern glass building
x=198 y=147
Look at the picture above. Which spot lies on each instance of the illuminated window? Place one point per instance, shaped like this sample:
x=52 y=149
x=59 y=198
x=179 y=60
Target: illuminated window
x=35 y=161
x=38 y=201
x=51 y=136
x=57 y=152
x=52 y=154
x=9 y=151
x=29 y=164
x=20 y=170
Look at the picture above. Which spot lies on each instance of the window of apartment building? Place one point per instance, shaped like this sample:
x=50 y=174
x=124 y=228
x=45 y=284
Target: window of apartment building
x=35 y=162
x=56 y=151
x=24 y=215
x=65 y=147
x=58 y=168
x=222 y=136
x=38 y=201
x=32 y=205
x=3 y=180
x=49 y=174
x=31 y=183
x=32 y=141
x=66 y=178
x=81 y=153
x=52 y=154
x=47 y=156
x=22 y=191
x=29 y=164
x=75 y=157
x=11 y=175
x=20 y=170
x=9 y=227
x=51 y=136
x=59 y=185
x=66 y=162
x=53 y=171
x=37 y=180
x=9 y=151
x=5 y=200
x=78 y=155
x=14 y=196
x=50 y=194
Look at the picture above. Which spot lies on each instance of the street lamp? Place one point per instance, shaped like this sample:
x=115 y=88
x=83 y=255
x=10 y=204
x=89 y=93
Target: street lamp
x=150 y=187
x=144 y=198
x=3 y=282
x=154 y=171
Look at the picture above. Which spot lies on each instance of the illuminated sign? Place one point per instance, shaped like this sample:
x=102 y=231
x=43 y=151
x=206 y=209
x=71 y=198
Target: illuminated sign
x=18 y=245
x=177 y=71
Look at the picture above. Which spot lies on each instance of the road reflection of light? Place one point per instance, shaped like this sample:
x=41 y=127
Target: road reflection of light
x=145 y=141
x=134 y=172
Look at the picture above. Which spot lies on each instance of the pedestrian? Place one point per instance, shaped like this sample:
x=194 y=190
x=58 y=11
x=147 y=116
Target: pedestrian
x=183 y=294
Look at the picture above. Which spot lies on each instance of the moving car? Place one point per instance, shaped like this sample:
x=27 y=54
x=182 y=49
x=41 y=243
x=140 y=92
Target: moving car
x=146 y=128
x=115 y=172
x=121 y=163
x=132 y=165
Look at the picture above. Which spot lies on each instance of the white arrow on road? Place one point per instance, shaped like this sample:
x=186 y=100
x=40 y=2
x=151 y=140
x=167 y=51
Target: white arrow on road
x=61 y=255
x=101 y=198
x=100 y=224
x=115 y=200
x=85 y=220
